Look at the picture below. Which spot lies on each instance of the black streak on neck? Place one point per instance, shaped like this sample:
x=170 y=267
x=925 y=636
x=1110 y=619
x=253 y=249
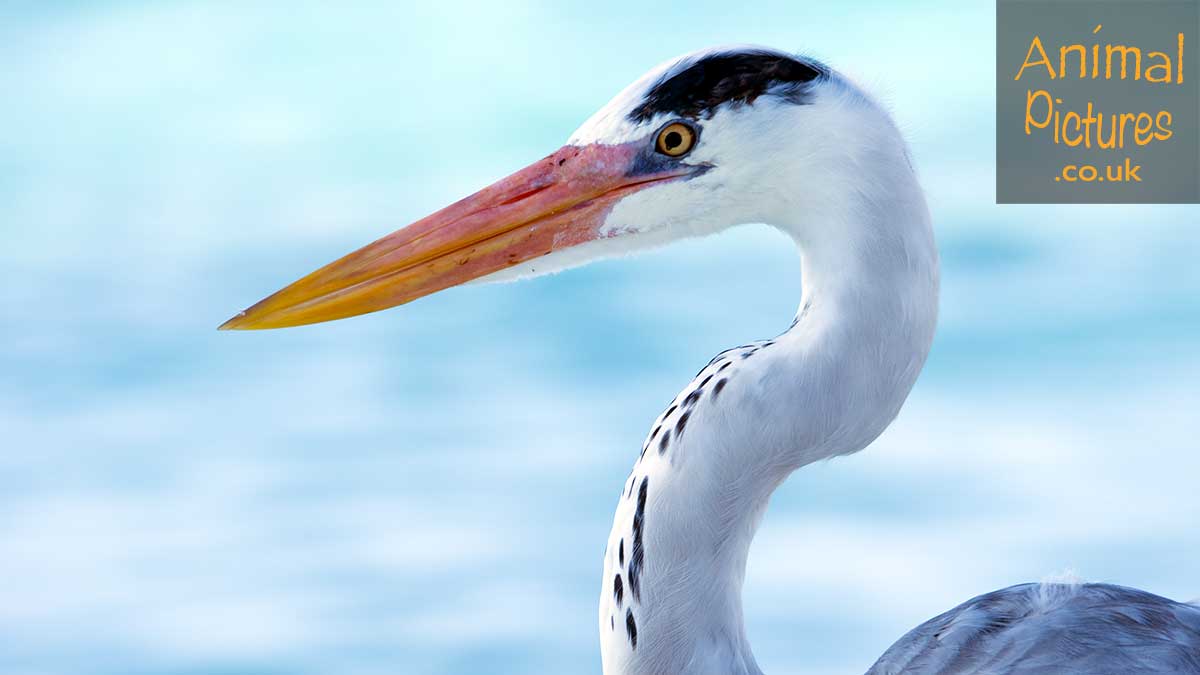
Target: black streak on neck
x=631 y=628
x=638 y=553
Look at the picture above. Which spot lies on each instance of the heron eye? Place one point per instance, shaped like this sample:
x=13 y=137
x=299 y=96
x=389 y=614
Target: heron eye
x=675 y=139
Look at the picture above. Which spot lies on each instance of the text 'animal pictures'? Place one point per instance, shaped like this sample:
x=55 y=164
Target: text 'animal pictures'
x=1106 y=114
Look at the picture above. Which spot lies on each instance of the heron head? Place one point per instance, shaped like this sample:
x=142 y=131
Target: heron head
x=687 y=149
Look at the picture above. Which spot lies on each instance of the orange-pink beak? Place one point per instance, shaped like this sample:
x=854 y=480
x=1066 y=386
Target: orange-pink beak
x=555 y=203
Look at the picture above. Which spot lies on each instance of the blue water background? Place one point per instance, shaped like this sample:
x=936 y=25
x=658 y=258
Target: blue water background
x=428 y=490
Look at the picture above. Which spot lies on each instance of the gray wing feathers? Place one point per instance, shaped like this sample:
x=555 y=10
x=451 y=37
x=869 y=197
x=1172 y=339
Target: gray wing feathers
x=1098 y=629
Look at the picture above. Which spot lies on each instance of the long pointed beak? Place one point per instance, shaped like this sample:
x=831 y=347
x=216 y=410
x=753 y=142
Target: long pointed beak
x=555 y=203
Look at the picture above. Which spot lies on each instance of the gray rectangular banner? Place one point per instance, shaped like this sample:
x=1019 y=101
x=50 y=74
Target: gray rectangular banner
x=1097 y=101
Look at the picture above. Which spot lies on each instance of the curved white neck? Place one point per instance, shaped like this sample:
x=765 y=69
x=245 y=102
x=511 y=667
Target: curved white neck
x=827 y=386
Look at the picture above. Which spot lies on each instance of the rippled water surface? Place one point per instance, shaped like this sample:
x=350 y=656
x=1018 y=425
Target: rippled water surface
x=429 y=489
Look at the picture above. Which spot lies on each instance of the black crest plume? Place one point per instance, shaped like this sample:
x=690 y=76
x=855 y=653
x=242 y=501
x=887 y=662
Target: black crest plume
x=731 y=77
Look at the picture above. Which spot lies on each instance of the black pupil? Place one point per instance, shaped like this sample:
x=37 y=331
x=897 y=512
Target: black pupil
x=673 y=140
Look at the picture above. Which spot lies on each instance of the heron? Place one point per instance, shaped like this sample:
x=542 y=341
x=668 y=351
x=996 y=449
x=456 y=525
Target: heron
x=710 y=140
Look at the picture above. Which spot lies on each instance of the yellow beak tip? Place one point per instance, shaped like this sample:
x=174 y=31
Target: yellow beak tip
x=236 y=323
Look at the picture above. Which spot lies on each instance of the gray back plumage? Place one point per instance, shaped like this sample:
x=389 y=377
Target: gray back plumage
x=1098 y=629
